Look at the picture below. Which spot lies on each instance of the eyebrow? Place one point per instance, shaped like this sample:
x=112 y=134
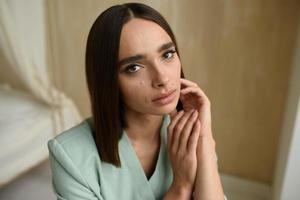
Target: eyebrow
x=137 y=57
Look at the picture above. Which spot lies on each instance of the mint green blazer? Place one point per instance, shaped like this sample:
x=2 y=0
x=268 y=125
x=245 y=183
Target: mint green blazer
x=78 y=173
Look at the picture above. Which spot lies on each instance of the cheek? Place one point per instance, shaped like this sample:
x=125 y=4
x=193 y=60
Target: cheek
x=132 y=90
x=142 y=83
x=178 y=63
x=175 y=72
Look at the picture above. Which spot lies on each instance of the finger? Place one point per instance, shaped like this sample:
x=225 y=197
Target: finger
x=186 y=82
x=193 y=91
x=175 y=119
x=178 y=130
x=193 y=140
x=187 y=132
x=186 y=97
x=171 y=127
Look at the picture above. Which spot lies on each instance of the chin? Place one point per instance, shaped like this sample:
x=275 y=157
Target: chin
x=165 y=109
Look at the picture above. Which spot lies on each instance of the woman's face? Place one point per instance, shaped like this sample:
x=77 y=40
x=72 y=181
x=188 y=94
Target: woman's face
x=149 y=68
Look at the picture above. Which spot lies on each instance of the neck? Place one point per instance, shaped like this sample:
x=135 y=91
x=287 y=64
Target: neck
x=143 y=127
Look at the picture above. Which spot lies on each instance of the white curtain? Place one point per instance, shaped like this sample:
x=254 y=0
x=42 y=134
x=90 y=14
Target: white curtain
x=23 y=42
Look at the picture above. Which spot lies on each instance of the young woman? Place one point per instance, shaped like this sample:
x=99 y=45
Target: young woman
x=150 y=133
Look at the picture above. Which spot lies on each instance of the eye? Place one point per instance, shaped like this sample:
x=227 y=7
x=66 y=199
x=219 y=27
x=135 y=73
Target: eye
x=169 y=54
x=132 y=68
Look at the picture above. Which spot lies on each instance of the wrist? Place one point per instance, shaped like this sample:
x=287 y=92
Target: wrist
x=206 y=141
x=205 y=147
x=181 y=192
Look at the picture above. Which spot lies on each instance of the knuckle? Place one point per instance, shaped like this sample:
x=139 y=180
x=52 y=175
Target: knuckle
x=187 y=133
x=189 y=158
x=178 y=128
x=181 y=153
x=173 y=151
x=176 y=134
x=179 y=114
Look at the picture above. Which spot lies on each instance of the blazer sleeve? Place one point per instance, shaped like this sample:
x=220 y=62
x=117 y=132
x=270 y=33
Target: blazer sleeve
x=67 y=181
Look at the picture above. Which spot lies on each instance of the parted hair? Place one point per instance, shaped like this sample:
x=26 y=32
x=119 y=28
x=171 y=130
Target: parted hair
x=101 y=62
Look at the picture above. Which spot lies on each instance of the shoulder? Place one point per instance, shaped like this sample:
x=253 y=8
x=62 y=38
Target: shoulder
x=75 y=139
x=75 y=149
x=81 y=130
x=75 y=162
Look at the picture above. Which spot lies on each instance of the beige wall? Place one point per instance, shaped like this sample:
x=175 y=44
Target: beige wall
x=239 y=52
x=286 y=177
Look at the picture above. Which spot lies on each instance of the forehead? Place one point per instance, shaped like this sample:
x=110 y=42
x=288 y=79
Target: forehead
x=139 y=36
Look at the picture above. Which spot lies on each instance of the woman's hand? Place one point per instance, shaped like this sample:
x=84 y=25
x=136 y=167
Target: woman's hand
x=207 y=183
x=183 y=134
x=192 y=97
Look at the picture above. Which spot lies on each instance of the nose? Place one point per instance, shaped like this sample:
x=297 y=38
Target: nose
x=160 y=77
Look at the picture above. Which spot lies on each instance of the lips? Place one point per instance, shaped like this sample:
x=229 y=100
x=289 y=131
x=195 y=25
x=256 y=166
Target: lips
x=163 y=96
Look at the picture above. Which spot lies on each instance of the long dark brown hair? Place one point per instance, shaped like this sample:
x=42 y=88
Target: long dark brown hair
x=108 y=114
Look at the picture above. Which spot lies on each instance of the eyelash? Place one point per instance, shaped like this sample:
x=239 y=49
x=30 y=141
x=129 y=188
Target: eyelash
x=127 y=69
x=170 y=51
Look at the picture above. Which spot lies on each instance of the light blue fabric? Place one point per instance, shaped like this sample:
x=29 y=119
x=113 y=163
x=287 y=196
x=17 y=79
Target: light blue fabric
x=78 y=173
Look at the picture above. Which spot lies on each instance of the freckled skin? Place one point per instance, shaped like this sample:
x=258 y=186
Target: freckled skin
x=156 y=74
